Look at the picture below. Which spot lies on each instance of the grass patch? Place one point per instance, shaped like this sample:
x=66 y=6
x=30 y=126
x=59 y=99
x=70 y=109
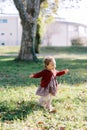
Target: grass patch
x=19 y=109
x=9 y=49
x=68 y=50
x=46 y=50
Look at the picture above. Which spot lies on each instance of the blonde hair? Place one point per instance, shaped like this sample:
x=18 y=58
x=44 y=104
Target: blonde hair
x=48 y=59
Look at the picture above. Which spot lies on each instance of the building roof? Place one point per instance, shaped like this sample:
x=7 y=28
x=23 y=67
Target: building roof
x=67 y=21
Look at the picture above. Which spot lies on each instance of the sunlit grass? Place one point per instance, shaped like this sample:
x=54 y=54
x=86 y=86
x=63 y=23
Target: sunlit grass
x=19 y=109
x=9 y=49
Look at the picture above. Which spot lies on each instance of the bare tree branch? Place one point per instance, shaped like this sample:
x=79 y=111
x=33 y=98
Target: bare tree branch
x=22 y=11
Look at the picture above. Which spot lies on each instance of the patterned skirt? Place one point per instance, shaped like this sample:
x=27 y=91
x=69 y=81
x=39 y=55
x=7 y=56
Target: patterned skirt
x=50 y=89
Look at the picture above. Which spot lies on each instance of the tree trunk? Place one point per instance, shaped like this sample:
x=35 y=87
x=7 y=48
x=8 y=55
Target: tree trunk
x=27 y=50
x=28 y=11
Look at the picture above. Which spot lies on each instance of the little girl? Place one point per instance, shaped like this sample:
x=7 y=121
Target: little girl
x=49 y=85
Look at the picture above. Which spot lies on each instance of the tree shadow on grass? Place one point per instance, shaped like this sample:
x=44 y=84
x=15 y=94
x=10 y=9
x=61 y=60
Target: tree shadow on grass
x=21 y=111
x=77 y=70
x=14 y=73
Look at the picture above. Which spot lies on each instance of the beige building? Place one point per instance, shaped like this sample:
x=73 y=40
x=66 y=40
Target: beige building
x=61 y=33
x=10 y=30
x=58 y=33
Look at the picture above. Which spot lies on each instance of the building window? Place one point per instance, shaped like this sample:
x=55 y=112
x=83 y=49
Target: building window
x=82 y=31
x=2 y=33
x=73 y=28
x=2 y=43
x=10 y=34
x=3 y=20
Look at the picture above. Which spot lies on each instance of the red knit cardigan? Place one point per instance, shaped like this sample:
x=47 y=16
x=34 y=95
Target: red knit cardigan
x=46 y=75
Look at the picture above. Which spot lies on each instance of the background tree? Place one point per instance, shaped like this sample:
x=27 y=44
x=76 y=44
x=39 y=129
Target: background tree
x=28 y=12
x=68 y=4
x=37 y=39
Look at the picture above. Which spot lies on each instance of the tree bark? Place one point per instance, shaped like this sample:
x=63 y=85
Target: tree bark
x=28 y=15
x=27 y=43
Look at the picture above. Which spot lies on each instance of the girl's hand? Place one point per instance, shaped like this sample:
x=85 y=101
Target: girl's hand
x=31 y=76
x=66 y=71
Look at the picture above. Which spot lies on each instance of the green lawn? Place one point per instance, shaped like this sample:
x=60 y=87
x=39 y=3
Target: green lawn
x=19 y=109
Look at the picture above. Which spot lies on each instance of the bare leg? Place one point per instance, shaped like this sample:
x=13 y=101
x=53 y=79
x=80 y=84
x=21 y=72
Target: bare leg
x=48 y=102
x=42 y=101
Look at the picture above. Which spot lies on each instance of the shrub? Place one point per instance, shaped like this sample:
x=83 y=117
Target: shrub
x=77 y=42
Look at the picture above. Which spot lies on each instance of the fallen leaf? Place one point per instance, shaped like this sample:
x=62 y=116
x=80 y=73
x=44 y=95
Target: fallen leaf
x=61 y=128
x=53 y=111
x=40 y=122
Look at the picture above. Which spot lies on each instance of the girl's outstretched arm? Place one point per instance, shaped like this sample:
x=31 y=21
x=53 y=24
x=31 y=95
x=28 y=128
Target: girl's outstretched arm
x=66 y=71
x=31 y=75
x=60 y=73
x=37 y=75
